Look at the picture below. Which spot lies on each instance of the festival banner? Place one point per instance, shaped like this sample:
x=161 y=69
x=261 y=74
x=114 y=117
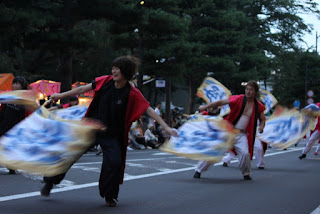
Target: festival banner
x=72 y=113
x=286 y=127
x=20 y=97
x=268 y=99
x=211 y=90
x=44 y=144
x=202 y=139
x=47 y=87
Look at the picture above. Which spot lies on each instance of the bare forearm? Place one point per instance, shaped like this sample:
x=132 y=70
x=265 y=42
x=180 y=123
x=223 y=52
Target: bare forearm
x=73 y=92
x=157 y=118
x=262 y=121
x=214 y=105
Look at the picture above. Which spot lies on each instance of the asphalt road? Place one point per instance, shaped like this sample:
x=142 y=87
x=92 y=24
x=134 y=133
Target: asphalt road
x=156 y=182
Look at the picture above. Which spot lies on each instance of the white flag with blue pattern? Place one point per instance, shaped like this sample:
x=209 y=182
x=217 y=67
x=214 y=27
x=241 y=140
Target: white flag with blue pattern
x=202 y=139
x=212 y=90
x=286 y=127
x=45 y=144
x=268 y=99
x=72 y=113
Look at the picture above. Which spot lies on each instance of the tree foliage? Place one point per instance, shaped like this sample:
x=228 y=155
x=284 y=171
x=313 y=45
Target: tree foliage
x=233 y=41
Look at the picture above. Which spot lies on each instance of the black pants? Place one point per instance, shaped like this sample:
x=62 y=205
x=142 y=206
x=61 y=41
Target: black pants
x=54 y=179
x=111 y=168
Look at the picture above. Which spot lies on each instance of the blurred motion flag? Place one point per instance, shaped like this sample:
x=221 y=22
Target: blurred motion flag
x=211 y=90
x=312 y=110
x=268 y=99
x=202 y=139
x=197 y=116
x=286 y=127
x=44 y=144
x=72 y=113
x=20 y=97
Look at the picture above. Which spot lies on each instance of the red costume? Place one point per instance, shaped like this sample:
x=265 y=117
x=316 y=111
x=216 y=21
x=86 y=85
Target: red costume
x=318 y=123
x=237 y=105
x=137 y=105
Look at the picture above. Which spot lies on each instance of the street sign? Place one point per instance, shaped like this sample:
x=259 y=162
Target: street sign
x=160 y=83
x=310 y=93
x=296 y=103
x=310 y=101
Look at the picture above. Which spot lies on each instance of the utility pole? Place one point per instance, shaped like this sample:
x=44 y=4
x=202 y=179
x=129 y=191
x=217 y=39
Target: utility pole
x=168 y=100
x=316 y=41
x=306 y=88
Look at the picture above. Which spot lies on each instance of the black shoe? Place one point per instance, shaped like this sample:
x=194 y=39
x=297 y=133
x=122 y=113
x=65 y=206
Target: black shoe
x=197 y=175
x=302 y=156
x=225 y=164
x=45 y=191
x=247 y=178
x=260 y=167
x=110 y=202
x=12 y=172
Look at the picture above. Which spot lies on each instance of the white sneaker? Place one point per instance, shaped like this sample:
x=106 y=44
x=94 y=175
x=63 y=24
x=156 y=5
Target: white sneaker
x=142 y=147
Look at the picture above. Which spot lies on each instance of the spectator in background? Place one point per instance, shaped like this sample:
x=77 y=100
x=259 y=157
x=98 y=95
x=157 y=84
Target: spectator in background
x=158 y=111
x=132 y=140
x=176 y=118
x=150 y=138
x=137 y=134
x=11 y=114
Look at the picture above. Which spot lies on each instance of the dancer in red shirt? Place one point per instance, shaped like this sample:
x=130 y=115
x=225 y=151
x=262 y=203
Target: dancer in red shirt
x=245 y=111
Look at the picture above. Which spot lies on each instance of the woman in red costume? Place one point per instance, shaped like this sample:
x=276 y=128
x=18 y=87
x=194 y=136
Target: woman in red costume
x=116 y=104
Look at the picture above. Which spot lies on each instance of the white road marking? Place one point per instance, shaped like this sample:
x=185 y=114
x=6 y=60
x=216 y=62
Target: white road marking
x=84 y=168
x=161 y=153
x=127 y=178
x=66 y=183
x=132 y=160
x=36 y=177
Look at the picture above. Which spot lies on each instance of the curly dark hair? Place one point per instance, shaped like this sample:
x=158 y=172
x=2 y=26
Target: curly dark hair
x=22 y=81
x=128 y=66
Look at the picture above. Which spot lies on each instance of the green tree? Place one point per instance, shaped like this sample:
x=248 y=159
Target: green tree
x=297 y=73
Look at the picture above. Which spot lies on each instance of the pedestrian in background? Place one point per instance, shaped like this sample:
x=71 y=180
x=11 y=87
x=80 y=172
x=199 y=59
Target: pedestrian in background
x=11 y=114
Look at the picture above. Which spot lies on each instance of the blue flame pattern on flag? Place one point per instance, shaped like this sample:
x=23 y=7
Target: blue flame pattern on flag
x=197 y=116
x=268 y=99
x=286 y=127
x=44 y=144
x=202 y=138
x=211 y=90
x=72 y=113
